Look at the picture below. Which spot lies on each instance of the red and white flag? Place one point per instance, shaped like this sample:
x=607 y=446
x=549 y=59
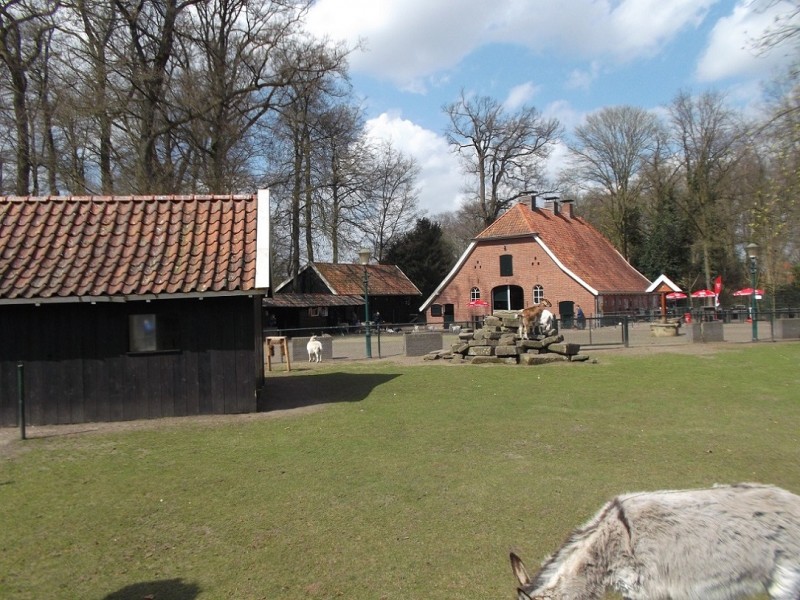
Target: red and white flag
x=717 y=289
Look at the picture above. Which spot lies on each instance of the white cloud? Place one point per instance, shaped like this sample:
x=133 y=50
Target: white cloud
x=440 y=180
x=408 y=41
x=643 y=26
x=730 y=51
x=520 y=95
x=580 y=79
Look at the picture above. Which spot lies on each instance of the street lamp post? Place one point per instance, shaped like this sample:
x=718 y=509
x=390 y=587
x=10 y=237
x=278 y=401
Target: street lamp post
x=363 y=258
x=752 y=253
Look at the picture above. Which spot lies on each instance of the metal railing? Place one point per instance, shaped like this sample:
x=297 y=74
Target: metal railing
x=608 y=331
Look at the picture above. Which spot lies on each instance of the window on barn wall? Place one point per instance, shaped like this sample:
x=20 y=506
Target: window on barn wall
x=153 y=333
x=436 y=310
x=474 y=294
x=538 y=293
x=506 y=265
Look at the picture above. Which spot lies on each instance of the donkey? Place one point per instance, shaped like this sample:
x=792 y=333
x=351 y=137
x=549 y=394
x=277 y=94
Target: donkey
x=531 y=315
x=721 y=543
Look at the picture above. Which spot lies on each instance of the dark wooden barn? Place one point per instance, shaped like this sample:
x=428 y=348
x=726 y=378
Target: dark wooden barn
x=124 y=308
x=331 y=295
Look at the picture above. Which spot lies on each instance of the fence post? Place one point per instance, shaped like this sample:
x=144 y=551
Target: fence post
x=21 y=397
x=626 y=341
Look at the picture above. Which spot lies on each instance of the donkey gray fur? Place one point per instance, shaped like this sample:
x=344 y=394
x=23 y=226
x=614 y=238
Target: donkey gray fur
x=721 y=543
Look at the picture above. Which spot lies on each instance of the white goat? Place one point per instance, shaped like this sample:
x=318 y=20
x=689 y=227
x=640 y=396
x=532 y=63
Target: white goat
x=722 y=543
x=547 y=323
x=314 y=348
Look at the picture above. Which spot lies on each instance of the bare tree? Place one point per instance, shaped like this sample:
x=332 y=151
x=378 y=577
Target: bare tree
x=501 y=152
x=239 y=62
x=87 y=72
x=609 y=153
x=342 y=185
x=785 y=26
x=25 y=27
x=391 y=206
x=709 y=140
x=318 y=72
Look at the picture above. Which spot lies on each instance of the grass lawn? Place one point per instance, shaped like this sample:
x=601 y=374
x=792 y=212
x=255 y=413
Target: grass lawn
x=411 y=482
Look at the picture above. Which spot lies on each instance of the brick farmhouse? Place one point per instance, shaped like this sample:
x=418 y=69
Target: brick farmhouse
x=533 y=252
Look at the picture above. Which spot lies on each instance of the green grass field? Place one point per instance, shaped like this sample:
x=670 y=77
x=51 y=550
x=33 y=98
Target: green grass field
x=412 y=482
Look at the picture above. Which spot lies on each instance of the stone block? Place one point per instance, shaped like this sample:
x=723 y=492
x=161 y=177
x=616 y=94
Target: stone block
x=507 y=350
x=712 y=331
x=481 y=351
x=540 y=359
x=507 y=339
x=486 y=360
x=564 y=349
x=422 y=342
x=705 y=331
x=530 y=344
x=492 y=321
x=787 y=329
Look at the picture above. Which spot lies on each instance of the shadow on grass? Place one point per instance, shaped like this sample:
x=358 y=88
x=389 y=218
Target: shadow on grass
x=174 y=589
x=282 y=393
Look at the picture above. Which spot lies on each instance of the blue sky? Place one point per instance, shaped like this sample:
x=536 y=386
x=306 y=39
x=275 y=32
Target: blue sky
x=568 y=58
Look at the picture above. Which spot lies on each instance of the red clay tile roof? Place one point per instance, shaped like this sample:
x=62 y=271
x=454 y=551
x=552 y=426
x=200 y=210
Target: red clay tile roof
x=348 y=280
x=59 y=247
x=578 y=245
x=384 y=280
x=299 y=300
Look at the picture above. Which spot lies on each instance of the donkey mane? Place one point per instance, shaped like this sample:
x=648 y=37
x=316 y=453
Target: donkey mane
x=577 y=542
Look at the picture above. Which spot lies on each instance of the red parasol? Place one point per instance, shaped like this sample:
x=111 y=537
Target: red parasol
x=703 y=294
x=676 y=296
x=748 y=292
x=478 y=302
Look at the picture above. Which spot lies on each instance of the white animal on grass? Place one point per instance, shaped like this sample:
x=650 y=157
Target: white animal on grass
x=721 y=543
x=314 y=347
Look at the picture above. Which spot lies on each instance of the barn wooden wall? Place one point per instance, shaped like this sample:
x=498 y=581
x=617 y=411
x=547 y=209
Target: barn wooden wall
x=78 y=369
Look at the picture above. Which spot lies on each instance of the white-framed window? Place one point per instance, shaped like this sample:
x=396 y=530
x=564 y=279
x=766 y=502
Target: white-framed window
x=538 y=293
x=474 y=294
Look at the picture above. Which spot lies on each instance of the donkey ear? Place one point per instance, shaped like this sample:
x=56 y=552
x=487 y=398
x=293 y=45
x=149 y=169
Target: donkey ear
x=519 y=570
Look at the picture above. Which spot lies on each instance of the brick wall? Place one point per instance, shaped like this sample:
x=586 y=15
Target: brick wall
x=531 y=266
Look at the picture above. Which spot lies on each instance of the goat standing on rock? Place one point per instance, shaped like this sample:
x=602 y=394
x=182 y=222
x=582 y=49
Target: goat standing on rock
x=721 y=543
x=531 y=316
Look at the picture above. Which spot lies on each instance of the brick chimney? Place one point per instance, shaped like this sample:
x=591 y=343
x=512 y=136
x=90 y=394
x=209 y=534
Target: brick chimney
x=551 y=204
x=567 y=208
x=528 y=200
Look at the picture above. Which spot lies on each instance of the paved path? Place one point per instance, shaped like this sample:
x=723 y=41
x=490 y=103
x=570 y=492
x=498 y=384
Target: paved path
x=391 y=344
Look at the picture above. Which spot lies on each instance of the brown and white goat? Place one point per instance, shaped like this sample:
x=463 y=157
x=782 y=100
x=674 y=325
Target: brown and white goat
x=531 y=315
x=721 y=543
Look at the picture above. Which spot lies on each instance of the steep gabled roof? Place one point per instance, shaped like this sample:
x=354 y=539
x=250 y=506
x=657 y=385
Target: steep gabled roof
x=579 y=250
x=88 y=247
x=347 y=279
x=574 y=243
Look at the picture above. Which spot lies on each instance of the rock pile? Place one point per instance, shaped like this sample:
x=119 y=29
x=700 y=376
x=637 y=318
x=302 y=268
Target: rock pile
x=498 y=342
